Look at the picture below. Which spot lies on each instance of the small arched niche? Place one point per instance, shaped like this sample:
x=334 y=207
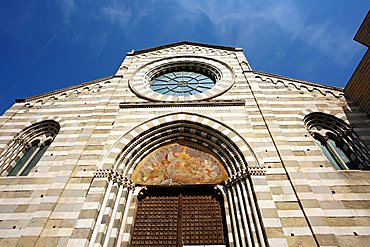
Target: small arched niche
x=180 y=163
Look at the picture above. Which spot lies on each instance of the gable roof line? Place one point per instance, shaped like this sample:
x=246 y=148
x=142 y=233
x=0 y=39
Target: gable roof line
x=51 y=93
x=314 y=84
x=229 y=48
x=359 y=36
x=57 y=91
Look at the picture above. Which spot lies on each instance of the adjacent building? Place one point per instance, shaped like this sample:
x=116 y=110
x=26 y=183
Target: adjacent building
x=358 y=88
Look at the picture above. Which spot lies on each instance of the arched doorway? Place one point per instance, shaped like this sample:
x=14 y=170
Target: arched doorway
x=180 y=205
x=115 y=222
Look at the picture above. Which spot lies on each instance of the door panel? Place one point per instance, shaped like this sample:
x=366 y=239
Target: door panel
x=201 y=220
x=182 y=217
x=156 y=222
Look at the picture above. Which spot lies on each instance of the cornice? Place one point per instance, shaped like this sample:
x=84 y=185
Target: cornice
x=313 y=84
x=210 y=103
x=58 y=91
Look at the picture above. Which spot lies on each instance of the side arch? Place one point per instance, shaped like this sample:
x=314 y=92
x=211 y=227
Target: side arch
x=36 y=133
x=323 y=127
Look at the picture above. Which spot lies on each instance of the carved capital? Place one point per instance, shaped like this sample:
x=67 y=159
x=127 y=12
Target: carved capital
x=115 y=177
x=257 y=170
x=237 y=177
x=103 y=173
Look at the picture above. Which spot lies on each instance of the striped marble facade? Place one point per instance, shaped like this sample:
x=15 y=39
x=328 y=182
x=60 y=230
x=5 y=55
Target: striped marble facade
x=281 y=190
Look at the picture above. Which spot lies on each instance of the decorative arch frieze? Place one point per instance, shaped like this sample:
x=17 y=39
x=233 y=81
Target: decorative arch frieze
x=63 y=95
x=243 y=220
x=185 y=49
x=299 y=86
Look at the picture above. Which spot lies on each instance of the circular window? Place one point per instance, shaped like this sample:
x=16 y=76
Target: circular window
x=181 y=83
x=182 y=78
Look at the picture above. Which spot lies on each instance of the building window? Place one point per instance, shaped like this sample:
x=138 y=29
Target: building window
x=334 y=153
x=183 y=78
x=29 y=159
x=27 y=148
x=181 y=83
x=336 y=139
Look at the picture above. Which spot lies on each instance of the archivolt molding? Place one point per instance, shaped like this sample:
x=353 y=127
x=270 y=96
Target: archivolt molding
x=56 y=119
x=303 y=114
x=216 y=136
x=300 y=87
x=320 y=120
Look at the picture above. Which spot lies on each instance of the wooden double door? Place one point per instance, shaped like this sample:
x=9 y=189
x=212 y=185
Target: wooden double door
x=177 y=216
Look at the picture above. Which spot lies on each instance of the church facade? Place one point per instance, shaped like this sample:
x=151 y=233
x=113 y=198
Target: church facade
x=186 y=145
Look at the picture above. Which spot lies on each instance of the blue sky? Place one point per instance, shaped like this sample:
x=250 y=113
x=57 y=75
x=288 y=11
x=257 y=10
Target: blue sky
x=47 y=45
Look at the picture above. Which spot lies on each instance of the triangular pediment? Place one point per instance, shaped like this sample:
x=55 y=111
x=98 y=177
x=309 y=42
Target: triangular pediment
x=186 y=43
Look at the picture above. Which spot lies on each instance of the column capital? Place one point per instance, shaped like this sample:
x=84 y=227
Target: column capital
x=115 y=176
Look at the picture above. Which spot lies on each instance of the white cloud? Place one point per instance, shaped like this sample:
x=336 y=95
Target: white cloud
x=239 y=22
x=98 y=43
x=68 y=8
x=326 y=37
x=117 y=13
x=246 y=22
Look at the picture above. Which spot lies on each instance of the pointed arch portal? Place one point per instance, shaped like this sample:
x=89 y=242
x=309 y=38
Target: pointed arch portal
x=184 y=177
